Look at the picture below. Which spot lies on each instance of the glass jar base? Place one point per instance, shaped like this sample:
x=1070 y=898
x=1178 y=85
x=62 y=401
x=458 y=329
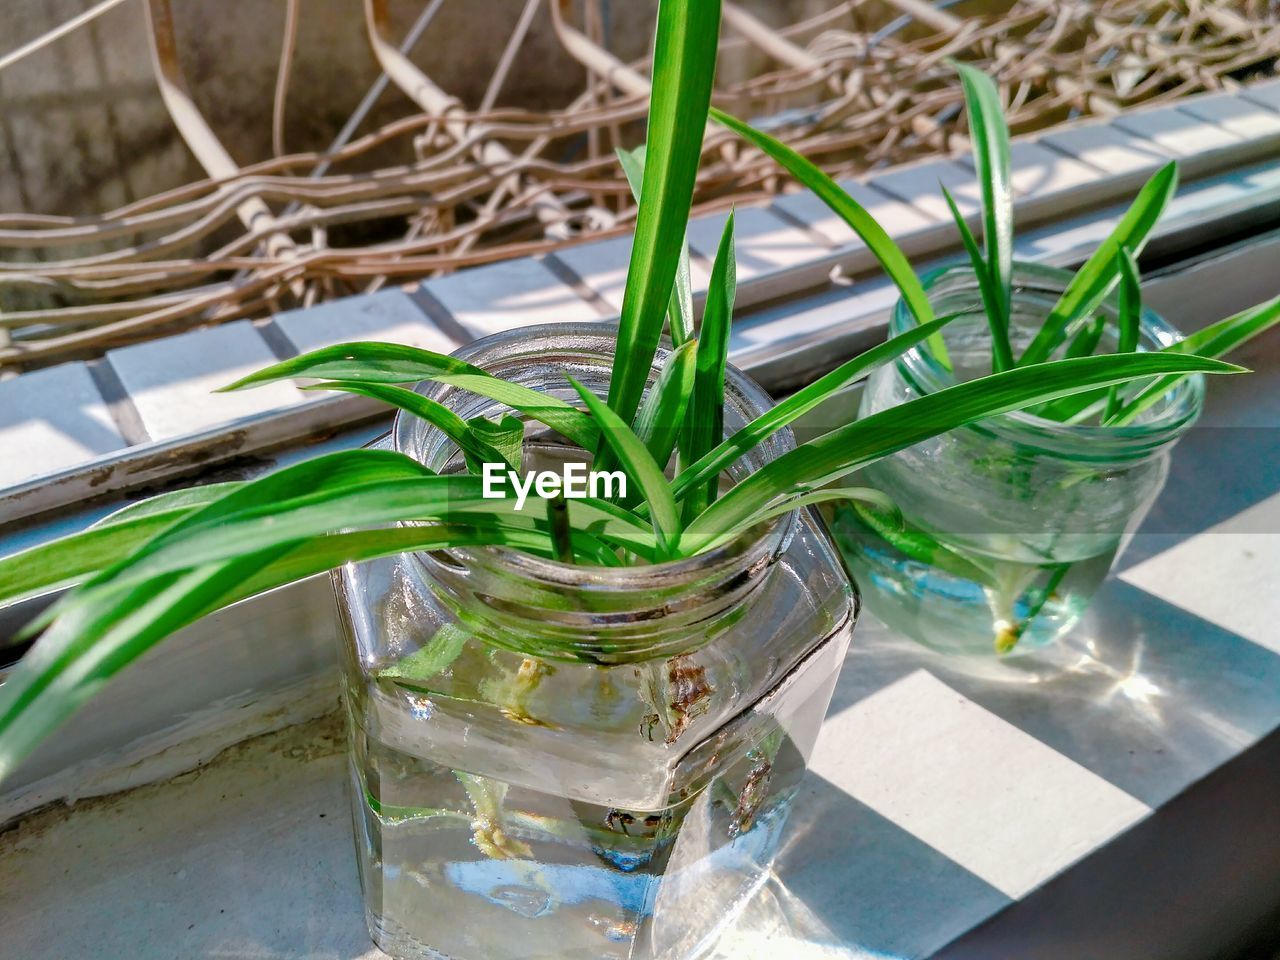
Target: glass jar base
x=1006 y=626
x=526 y=883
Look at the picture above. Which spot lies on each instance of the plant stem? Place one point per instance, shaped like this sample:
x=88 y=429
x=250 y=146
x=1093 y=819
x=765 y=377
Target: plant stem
x=561 y=531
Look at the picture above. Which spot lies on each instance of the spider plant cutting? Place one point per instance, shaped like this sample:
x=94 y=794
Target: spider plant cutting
x=576 y=721
x=1039 y=500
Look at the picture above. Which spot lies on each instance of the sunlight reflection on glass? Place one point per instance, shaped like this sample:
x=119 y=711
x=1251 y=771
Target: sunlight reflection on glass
x=776 y=923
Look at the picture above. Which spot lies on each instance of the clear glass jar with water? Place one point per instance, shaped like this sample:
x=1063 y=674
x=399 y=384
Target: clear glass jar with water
x=572 y=762
x=1008 y=525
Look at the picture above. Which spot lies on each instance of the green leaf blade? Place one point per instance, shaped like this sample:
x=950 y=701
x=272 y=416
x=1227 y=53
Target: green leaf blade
x=390 y=363
x=848 y=448
x=424 y=408
x=1129 y=319
x=361 y=361
x=990 y=138
x=705 y=417
x=801 y=402
x=680 y=309
x=881 y=245
x=1216 y=340
x=1101 y=272
x=684 y=61
x=633 y=455
x=997 y=316
x=662 y=413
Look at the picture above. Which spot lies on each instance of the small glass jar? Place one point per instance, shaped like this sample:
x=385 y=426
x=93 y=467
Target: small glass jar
x=577 y=762
x=1009 y=524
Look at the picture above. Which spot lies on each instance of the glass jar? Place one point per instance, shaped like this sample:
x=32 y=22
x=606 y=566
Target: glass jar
x=1010 y=524
x=564 y=761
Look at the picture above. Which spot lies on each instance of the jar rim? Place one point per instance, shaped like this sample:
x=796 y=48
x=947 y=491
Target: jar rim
x=585 y=341
x=1173 y=417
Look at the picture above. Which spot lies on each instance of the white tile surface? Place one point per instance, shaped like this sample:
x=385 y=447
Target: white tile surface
x=1182 y=134
x=1060 y=239
x=388 y=315
x=1108 y=148
x=603 y=266
x=514 y=293
x=898 y=219
x=918 y=184
x=1038 y=172
x=764 y=243
x=172 y=381
x=1225 y=575
x=1234 y=114
x=971 y=785
x=1267 y=94
x=774 y=329
x=50 y=420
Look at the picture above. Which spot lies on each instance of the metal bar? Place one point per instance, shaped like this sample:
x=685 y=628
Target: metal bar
x=57 y=33
x=594 y=57
x=509 y=54
x=204 y=143
x=785 y=51
x=435 y=102
x=374 y=92
x=768 y=39
x=948 y=23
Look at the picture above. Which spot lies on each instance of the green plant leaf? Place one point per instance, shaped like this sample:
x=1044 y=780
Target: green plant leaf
x=662 y=413
x=997 y=315
x=633 y=456
x=1220 y=338
x=260 y=523
x=684 y=63
x=990 y=137
x=432 y=659
x=680 y=308
x=800 y=403
x=369 y=362
x=1083 y=344
x=560 y=528
x=91 y=642
x=704 y=420
x=864 y=495
x=1086 y=341
x=111 y=625
x=1084 y=406
x=1098 y=277
x=506 y=435
x=565 y=419
x=846 y=449
x=68 y=560
x=171 y=500
x=304 y=486
x=1216 y=340
x=917 y=545
x=363 y=361
x=71 y=559
x=881 y=245
x=1129 y=319
x=477 y=451
x=348 y=490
